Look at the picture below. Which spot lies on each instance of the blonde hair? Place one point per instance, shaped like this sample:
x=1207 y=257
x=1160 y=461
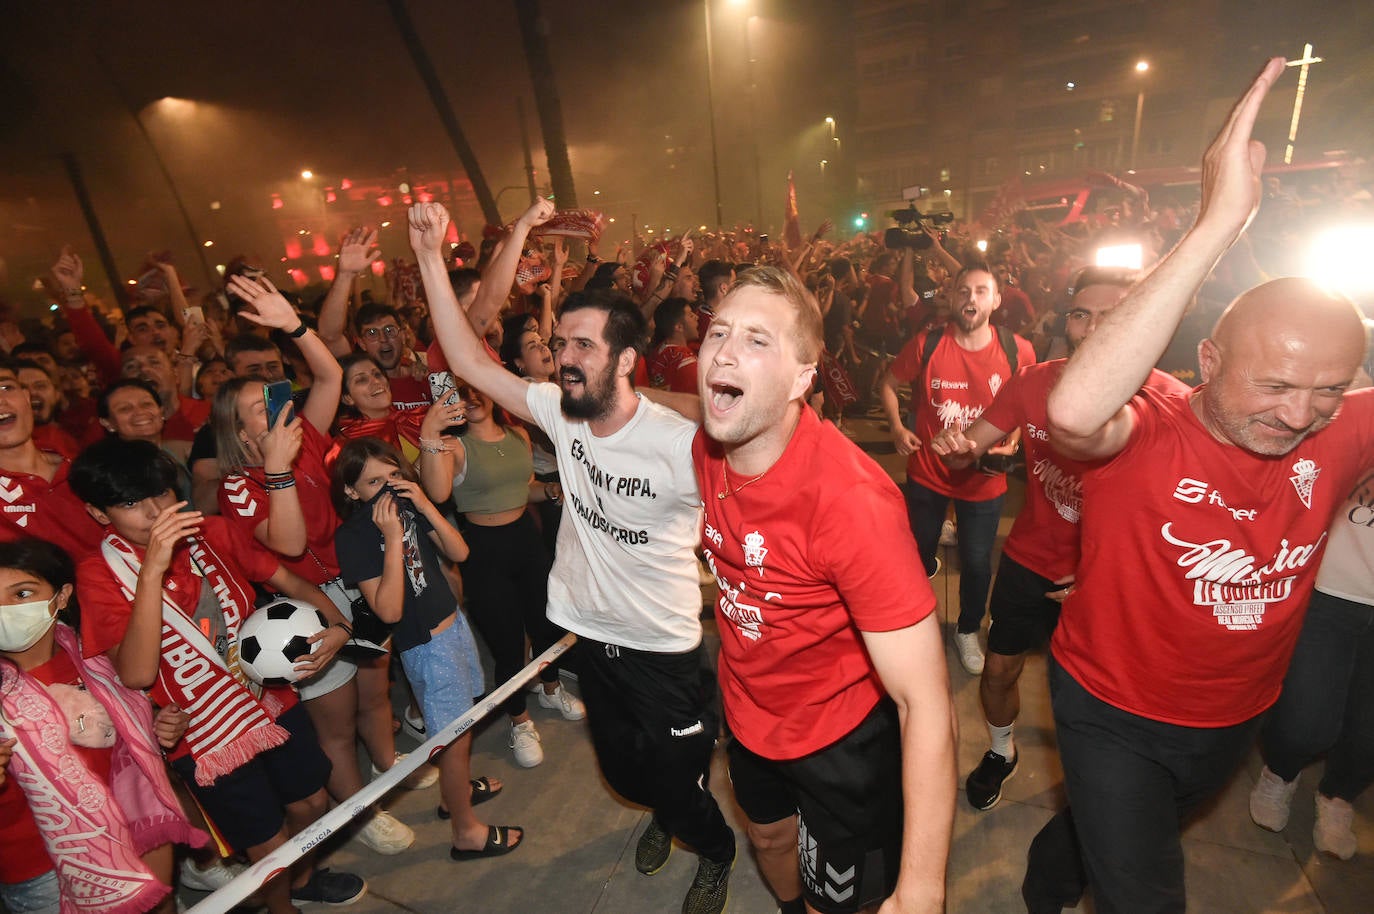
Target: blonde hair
x=807 y=331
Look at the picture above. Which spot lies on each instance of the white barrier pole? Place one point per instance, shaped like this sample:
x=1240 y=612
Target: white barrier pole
x=307 y=838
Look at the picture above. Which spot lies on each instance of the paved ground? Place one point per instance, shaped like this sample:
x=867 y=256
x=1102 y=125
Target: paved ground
x=579 y=851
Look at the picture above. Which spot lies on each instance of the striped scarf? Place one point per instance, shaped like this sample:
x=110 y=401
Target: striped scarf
x=229 y=726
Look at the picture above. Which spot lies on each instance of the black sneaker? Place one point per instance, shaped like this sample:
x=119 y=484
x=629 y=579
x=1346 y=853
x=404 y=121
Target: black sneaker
x=710 y=888
x=984 y=785
x=654 y=847
x=326 y=887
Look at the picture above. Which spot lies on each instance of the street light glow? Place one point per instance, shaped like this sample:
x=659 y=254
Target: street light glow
x=1141 y=66
x=830 y=121
x=307 y=174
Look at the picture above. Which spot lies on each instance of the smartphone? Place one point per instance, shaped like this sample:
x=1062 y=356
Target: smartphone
x=277 y=396
x=442 y=389
x=193 y=315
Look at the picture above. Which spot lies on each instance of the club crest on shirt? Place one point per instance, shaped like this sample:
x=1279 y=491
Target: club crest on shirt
x=995 y=383
x=1305 y=473
x=754 y=551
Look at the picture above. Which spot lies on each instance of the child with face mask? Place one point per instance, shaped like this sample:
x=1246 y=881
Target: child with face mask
x=82 y=748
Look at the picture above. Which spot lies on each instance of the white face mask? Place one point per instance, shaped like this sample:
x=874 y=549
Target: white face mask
x=22 y=624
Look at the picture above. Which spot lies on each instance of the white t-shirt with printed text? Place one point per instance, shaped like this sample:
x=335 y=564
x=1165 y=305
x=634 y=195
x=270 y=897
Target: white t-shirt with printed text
x=625 y=571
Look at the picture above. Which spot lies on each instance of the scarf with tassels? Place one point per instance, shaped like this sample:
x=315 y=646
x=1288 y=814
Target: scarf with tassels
x=229 y=726
x=95 y=834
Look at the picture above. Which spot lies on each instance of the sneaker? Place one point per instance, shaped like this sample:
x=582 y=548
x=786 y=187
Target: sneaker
x=524 y=740
x=1332 y=833
x=415 y=724
x=948 y=535
x=1270 y=799
x=385 y=834
x=326 y=887
x=563 y=701
x=215 y=876
x=984 y=785
x=653 y=849
x=419 y=779
x=938 y=565
x=970 y=654
x=710 y=888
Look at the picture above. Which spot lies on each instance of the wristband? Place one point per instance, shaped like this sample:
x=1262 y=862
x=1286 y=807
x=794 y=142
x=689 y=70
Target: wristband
x=348 y=630
x=432 y=445
x=298 y=332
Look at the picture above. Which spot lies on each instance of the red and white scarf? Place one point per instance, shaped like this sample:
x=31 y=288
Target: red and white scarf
x=94 y=834
x=229 y=725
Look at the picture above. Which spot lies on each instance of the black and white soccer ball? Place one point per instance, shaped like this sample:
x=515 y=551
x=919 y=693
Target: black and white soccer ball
x=272 y=639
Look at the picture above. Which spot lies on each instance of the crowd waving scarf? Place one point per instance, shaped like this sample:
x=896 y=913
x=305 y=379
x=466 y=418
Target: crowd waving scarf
x=94 y=834
x=229 y=726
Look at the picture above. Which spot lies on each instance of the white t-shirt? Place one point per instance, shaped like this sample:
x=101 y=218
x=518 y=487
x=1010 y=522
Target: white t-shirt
x=626 y=570
x=1347 y=569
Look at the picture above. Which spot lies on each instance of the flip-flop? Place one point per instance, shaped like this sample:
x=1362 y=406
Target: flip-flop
x=498 y=843
x=481 y=792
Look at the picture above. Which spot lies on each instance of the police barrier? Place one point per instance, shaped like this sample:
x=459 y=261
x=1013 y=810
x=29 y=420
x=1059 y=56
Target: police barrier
x=303 y=841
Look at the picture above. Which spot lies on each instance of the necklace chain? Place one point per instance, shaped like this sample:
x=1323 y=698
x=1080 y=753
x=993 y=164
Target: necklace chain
x=725 y=481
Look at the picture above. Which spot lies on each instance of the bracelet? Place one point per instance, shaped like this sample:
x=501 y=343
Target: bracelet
x=276 y=485
x=183 y=357
x=298 y=332
x=287 y=474
x=432 y=445
x=348 y=629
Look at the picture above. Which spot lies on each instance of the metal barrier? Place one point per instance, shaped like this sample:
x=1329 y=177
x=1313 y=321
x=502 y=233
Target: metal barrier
x=307 y=838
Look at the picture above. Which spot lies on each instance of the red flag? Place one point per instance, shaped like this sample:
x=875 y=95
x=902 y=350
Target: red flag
x=791 y=229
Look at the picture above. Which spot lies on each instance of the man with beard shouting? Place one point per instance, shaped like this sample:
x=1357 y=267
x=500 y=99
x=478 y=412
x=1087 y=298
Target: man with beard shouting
x=955 y=372
x=625 y=576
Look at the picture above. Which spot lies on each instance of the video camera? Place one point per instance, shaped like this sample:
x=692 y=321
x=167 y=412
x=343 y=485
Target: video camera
x=909 y=230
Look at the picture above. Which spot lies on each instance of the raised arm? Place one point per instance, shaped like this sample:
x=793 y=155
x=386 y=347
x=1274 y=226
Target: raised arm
x=499 y=275
x=911 y=664
x=267 y=308
x=454 y=333
x=1087 y=408
x=63 y=283
x=357 y=250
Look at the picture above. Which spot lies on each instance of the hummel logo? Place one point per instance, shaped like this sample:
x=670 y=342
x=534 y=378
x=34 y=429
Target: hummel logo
x=693 y=730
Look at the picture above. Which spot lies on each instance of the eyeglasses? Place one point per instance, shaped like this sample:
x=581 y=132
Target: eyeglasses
x=389 y=331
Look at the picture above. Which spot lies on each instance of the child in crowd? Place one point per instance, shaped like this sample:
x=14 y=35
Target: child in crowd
x=73 y=739
x=164 y=596
x=391 y=543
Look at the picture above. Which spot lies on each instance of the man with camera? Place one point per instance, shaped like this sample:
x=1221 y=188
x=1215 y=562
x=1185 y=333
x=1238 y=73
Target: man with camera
x=955 y=371
x=1041 y=551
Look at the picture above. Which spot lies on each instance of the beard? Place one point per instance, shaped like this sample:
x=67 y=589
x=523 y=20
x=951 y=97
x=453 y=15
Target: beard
x=597 y=398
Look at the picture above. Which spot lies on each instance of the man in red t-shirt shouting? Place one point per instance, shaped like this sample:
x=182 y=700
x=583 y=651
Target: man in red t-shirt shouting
x=1202 y=530
x=831 y=668
x=1040 y=554
x=955 y=372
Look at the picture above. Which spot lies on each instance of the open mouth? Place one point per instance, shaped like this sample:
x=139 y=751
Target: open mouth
x=725 y=396
x=6 y=420
x=568 y=377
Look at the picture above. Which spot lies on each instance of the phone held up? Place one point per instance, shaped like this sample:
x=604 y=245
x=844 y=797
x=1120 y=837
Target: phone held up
x=277 y=396
x=442 y=389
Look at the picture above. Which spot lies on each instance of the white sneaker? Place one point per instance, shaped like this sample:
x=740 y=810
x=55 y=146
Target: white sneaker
x=386 y=834
x=948 y=535
x=524 y=740
x=214 y=877
x=1270 y=799
x=415 y=725
x=422 y=777
x=1332 y=834
x=564 y=702
x=970 y=654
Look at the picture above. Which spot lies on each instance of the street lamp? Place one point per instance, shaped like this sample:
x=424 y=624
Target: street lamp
x=1141 y=67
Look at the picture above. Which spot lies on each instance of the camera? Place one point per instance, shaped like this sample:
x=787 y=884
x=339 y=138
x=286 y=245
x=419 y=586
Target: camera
x=909 y=232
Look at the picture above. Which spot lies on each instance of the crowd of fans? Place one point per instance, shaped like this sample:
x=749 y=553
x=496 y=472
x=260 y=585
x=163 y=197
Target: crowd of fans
x=125 y=431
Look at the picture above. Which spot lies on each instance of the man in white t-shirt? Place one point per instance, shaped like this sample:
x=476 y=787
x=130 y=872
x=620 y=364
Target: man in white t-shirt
x=625 y=576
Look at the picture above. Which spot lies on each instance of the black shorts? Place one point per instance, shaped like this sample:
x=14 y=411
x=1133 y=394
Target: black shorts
x=1022 y=616
x=248 y=805
x=848 y=800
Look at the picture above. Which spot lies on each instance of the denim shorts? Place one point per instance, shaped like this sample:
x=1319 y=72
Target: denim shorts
x=39 y=895
x=445 y=674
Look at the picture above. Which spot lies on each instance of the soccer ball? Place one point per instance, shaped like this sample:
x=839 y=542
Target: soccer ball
x=272 y=639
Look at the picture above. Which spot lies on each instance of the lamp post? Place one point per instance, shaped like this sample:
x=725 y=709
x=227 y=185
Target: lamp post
x=1141 y=67
x=754 y=125
x=711 y=113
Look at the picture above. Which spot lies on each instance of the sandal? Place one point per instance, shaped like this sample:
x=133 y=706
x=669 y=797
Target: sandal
x=498 y=843
x=481 y=792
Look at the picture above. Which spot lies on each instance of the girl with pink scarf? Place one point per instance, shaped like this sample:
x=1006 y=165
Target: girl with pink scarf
x=87 y=817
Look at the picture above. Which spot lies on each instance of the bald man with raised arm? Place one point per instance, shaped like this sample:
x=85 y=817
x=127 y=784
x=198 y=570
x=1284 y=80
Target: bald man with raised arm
x=1202 y=529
